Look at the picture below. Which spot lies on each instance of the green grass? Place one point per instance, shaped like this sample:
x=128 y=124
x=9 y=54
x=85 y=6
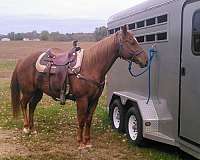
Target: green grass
x=51 y=120
x=7 y=65
x=6 y=120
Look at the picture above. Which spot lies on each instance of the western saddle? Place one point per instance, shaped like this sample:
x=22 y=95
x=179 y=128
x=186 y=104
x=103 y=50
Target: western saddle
x=58 y=67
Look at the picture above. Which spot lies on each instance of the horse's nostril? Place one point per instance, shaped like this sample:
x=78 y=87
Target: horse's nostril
x=146 y=64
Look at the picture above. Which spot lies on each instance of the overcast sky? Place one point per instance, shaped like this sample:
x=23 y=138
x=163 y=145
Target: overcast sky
x=90 y=9
x=65 y=16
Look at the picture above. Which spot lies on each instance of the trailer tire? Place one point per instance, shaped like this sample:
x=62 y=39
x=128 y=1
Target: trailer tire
x=117 y=114
x=133 y=124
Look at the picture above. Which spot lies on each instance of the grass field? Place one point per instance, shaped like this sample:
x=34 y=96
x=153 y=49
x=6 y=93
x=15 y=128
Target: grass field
x=56 y=125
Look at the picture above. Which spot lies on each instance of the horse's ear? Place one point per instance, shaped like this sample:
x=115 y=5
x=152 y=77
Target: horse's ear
x=124 y=29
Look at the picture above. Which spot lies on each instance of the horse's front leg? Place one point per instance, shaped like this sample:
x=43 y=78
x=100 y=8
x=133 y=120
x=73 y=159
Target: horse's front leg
x=82 y=105
x=91 y=110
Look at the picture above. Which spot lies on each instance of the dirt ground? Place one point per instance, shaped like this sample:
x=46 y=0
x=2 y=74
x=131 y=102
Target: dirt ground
x=61 y=148
x=9 y=145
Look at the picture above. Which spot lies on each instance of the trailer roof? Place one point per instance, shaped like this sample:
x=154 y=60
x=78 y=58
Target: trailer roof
x=146 y=5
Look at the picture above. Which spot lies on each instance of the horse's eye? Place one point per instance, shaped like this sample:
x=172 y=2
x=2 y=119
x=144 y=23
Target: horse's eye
x=132 y=41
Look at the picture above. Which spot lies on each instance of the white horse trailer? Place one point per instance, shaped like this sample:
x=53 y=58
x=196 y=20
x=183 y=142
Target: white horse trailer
x=172 y=115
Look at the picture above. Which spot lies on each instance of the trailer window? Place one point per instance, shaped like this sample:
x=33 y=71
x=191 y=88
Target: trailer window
x=196 y=33
x=162 y=19
x=117 y=29
x=161 y=36
x=111 y=31
x=140 y=24
x=151 y=21
x=140 y=39
x=150 y=38
x=131 y=26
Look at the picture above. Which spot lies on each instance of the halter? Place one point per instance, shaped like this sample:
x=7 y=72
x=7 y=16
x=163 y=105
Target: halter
x=133 y=53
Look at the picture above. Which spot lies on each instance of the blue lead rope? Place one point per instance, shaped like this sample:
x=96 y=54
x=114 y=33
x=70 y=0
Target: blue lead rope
x=151 y=53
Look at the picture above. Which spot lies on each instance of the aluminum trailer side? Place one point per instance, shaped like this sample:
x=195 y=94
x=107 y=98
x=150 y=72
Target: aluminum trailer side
x=171 y=116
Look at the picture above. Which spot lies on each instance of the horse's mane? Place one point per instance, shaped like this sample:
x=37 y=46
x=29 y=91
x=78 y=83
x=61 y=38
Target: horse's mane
x=100 y=49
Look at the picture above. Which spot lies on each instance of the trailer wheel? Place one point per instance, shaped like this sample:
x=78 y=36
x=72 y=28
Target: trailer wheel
x=133 y=125
x=117 y=114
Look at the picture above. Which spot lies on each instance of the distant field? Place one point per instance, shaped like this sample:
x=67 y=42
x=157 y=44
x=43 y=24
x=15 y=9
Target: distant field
x=11 y=51
x=56 y=125
x=18 y=49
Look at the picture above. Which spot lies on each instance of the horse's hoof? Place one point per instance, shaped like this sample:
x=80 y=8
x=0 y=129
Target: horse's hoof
x=34 y=132
x=81 y=147
x=88 y=145
x=26 y=131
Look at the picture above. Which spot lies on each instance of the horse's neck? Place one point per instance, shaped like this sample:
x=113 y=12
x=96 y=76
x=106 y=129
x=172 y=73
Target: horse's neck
x=100 y=58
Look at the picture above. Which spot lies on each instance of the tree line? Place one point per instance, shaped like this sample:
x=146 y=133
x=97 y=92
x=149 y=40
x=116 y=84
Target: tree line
x=98 y=34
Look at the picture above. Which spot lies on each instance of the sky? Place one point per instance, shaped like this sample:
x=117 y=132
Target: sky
x=15 y=10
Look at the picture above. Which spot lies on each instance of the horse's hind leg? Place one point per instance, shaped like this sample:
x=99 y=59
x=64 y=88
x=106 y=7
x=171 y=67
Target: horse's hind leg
x=24 y=101
x=32 y=105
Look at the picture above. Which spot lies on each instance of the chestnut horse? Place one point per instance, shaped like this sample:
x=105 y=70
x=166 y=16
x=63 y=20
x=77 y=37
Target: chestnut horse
x=27 y=88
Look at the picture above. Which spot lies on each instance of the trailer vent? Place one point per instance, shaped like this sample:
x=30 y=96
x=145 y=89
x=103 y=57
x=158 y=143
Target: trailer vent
x=117 y=29
x=140 y=39
x=151 y=21
x=162 y=18
x=150 y=38
x=161 y=36
x=111 y=31
x=131 y=26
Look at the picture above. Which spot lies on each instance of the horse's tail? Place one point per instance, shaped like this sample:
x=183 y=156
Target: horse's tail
x=15 y=94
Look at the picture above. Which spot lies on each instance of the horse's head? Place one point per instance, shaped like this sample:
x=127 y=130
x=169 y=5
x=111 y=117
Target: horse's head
x=129 y=49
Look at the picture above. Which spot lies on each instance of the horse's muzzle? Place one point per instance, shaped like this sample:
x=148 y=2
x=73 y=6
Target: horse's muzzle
x=143 y=65
x=146 y=63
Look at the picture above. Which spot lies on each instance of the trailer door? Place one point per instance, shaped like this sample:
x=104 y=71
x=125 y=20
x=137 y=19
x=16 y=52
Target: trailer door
x=190 y=74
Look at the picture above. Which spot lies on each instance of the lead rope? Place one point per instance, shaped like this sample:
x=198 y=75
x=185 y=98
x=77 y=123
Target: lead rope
x=151 y=53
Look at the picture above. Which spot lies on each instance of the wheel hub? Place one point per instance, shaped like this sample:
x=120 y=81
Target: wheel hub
x=132 y=127
x=116 y=117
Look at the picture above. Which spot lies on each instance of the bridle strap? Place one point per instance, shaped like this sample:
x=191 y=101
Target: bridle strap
x=133 y=54
x=120 y=50
x=136 y=53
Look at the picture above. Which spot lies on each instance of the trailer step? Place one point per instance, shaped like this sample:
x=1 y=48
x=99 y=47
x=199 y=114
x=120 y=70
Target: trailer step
x=160 y=137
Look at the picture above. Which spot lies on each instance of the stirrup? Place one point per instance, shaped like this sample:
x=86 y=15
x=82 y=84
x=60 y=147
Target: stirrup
x=70 y=97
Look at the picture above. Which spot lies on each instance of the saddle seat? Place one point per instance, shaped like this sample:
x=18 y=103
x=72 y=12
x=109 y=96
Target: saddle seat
x=61 y=58
x=57 y=66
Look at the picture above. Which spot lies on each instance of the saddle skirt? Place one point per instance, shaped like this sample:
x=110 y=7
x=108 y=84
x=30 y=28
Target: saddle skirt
x=72 y=60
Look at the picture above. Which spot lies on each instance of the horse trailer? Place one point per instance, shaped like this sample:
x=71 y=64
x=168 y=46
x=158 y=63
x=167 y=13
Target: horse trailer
x=171 y=115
